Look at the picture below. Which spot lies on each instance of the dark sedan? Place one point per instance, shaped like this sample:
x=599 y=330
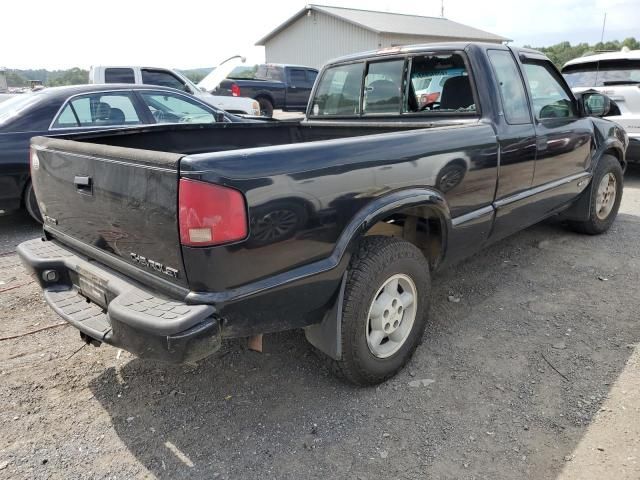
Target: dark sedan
x=61 y=110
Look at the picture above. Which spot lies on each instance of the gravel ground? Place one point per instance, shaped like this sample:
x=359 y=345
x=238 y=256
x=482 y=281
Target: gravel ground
x=529 y=369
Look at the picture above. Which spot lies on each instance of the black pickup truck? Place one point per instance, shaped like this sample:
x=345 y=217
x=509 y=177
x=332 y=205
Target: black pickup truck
x=166 y=240
x=286 y=87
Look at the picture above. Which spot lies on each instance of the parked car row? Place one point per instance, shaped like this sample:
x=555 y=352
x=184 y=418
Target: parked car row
x=60 y=110
x=274 y=86
x=616 y=75
x=165 y=240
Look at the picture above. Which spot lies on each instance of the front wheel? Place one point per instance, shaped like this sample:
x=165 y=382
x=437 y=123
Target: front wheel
x=605 y=197
x=384 y=309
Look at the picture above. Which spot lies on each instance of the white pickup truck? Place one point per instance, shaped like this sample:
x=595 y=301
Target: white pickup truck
x=617 y=75
x=167 y=77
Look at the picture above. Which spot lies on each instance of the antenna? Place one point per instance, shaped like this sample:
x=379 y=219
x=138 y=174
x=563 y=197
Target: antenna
x=442 y=8
x=604 y=22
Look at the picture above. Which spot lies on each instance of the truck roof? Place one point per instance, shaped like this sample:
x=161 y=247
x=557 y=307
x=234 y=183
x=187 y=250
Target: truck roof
x=624 y=54
x=428 y=47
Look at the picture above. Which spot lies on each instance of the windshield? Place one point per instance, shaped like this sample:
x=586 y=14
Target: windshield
x=603 y=73
x=9 y=109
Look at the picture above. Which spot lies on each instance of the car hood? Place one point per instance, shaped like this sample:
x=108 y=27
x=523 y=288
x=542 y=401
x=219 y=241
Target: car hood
x=222 y=71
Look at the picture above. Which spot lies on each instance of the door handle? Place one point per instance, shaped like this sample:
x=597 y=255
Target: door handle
x=83 y=184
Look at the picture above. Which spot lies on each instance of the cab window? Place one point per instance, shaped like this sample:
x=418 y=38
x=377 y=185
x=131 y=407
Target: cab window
x=173 y=108
x=98 y=109
x=550 y=99
x=439 y=83
x=512 y=92
x=119 y=75
x=338 y=93
x=161 y=78
x=383 y=87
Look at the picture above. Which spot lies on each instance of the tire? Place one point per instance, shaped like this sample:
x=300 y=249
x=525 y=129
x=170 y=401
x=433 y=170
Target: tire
x=31 y=203
x=603 y=207
x=377 y=262
x=266 y=107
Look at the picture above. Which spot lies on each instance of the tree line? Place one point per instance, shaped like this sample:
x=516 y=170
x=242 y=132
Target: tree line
x=559 y=54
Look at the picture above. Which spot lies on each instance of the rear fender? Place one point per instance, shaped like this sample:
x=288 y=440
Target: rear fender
x=326 y=335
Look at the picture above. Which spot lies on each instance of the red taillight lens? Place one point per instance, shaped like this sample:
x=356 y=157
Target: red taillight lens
x=433 y=97
x=235 y=90
x=210 y=214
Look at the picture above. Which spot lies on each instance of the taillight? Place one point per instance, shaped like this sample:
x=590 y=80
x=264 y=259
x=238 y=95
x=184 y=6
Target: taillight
x=210 y=214
x=235 y=90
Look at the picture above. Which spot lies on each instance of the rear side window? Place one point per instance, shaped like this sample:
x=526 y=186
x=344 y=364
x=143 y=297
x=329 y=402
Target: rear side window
x=512 y=92
x=298 y=77
x=162 y=79
x=439 y=83
x=383 y=87
x=98 y=109
x=311 y=76
x=338 y=92
x=172 y=108
x=119 y=75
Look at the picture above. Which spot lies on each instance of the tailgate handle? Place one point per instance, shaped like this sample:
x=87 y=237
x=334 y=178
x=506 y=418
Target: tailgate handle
x=83 y=184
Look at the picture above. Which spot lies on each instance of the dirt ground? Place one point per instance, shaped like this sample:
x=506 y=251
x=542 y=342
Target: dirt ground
x=533 y=373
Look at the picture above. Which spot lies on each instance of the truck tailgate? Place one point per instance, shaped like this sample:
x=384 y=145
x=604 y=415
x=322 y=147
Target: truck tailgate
x=118 y=200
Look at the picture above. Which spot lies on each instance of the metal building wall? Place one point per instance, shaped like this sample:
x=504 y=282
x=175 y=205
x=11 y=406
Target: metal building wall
x=314 y=39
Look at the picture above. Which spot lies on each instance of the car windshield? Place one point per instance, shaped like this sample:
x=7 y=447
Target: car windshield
x=9 y=109
x=603 y=73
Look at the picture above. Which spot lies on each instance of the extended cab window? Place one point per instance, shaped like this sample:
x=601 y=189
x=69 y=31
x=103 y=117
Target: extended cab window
x=550 y=99
x=439 y=83
x=172 y=108
x=162 y=79
x=512 y=92
x=98 y=109
x=338 y=92
x=119 y=75
x=383 y=87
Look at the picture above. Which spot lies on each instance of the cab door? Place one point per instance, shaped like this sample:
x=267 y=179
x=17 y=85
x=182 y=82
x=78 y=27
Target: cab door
x=563 y=146
x=298 y=88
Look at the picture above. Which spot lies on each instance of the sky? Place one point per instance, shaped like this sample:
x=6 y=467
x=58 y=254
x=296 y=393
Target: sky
x=58 y=34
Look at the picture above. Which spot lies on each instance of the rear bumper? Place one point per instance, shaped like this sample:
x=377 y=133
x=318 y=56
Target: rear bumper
x=110 y=308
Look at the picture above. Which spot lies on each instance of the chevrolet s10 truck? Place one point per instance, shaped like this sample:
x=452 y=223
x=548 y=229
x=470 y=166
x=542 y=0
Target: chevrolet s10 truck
x=165 y=240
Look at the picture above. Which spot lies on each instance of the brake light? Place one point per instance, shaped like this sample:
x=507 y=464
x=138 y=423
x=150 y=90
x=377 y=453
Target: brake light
x=235 y=90
x=210 y=214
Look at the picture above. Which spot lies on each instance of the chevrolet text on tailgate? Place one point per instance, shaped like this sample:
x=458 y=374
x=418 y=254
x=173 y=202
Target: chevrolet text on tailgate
x=165 y=240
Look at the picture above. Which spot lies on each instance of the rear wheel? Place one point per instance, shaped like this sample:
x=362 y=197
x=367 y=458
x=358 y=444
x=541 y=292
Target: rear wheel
x=606 y=194
x=266 y=107
x=384 y=309
x=31 y=203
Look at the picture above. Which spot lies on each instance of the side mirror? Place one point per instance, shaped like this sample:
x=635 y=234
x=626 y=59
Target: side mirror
x=595 y=104
x=188 y=89
x=220 y=117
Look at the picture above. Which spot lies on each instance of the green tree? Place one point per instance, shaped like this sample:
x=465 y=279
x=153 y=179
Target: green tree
x=562 y=52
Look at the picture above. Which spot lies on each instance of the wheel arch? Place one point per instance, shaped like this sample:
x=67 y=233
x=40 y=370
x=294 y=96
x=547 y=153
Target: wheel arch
x=404 y=206
x=419 y=215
